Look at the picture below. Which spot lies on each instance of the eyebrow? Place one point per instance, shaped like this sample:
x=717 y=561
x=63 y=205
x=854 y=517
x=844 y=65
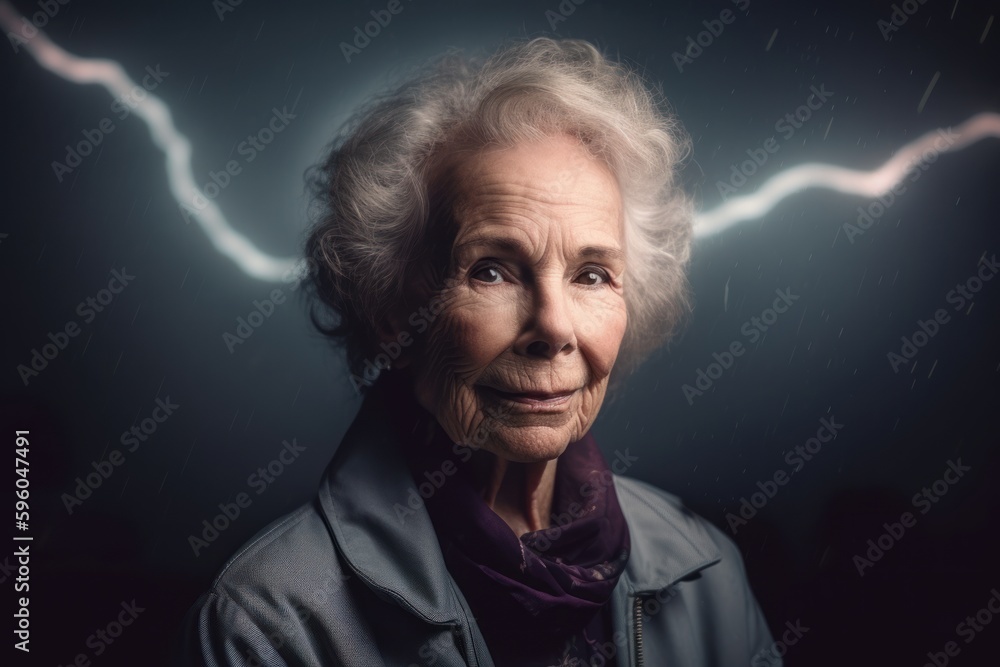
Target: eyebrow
x=516 y=246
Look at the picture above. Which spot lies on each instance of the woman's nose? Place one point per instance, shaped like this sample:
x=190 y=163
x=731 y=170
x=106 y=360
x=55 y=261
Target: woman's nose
x=549 y=329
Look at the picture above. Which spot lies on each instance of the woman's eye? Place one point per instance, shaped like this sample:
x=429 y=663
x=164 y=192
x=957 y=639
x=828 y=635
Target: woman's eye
x=593 y=277
x=489 y=275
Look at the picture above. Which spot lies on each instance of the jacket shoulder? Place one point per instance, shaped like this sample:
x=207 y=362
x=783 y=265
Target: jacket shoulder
x=282 y=556
x=265 y=596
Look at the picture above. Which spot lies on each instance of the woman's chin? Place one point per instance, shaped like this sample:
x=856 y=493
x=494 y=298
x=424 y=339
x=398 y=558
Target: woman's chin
x=529 y=444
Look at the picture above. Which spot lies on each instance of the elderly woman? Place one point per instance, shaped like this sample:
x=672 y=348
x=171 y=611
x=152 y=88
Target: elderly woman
x=497 y=242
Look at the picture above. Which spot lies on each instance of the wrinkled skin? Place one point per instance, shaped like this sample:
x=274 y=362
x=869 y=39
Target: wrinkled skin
x=543 y=317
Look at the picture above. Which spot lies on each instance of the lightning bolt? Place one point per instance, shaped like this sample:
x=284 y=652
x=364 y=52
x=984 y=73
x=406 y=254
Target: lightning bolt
x=258 y=264
x=869 y=184
x=175 y=146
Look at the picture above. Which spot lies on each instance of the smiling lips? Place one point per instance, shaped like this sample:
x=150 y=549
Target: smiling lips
x=540 y=399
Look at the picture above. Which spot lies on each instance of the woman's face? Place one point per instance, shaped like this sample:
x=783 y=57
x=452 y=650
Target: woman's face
x=533 y=310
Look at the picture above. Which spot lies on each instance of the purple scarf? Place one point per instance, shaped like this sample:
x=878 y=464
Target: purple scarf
x=543 y=598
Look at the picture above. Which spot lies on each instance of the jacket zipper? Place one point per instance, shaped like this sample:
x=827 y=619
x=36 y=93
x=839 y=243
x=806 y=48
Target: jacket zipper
x=638 y=632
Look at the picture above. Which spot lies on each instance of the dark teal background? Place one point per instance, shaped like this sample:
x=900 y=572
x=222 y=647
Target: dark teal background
x=162 y=336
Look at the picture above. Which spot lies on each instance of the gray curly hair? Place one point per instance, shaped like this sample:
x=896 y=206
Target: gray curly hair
x=373 y=205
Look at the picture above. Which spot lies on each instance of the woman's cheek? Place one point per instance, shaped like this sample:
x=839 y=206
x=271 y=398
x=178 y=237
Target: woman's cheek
x=484 y=323
x=601 y=332
x=461 y=343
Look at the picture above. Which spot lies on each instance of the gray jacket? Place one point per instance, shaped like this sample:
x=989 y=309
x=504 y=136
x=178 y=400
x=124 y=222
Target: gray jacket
x=349 y=579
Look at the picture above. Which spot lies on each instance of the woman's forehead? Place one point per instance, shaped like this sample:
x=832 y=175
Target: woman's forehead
x=534 y=185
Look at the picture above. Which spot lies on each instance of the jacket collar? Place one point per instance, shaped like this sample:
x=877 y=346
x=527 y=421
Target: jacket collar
x=387 y=538
x=389 y=544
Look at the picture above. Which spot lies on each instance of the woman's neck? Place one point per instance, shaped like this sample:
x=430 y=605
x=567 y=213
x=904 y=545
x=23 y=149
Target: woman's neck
x=520 y=493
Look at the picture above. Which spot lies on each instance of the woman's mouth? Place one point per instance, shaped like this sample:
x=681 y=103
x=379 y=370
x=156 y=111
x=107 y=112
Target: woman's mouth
x=536 y=400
